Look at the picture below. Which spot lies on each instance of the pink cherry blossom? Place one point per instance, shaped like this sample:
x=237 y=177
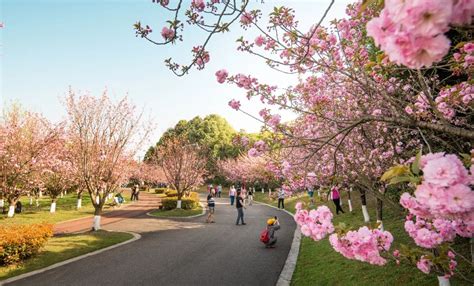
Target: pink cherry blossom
x=167 y=33
x=445 y=171
x=260 y=40
x=424 y=265
x=221 y=75
x=235 y=104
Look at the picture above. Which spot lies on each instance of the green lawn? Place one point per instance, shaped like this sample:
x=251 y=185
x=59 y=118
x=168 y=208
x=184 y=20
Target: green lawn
x=63 y=247
x=177 y=212
x=65 y=210
x=319 y=264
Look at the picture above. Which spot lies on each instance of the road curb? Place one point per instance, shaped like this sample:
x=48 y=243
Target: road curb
x=179 y=217
x=136 y=236
x=290 y=264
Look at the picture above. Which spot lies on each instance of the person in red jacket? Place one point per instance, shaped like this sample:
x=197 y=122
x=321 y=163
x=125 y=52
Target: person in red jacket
x=336 y=198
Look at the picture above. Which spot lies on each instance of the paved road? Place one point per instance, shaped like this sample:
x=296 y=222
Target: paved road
x=147 y=203
x=196 y=254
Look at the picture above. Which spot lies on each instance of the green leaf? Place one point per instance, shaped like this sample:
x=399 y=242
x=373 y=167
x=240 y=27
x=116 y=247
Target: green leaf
x=401 y=179
x=415 y=166
x=466 y=159
x=395 y=171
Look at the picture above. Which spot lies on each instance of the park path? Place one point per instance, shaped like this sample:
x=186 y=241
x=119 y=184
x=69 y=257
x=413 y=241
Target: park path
x=184 y=252
x=146 y=203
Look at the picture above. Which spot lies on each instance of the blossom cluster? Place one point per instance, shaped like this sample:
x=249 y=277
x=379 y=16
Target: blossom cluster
x=442 y=206
x=316 y=224
x=364 y=244
x=412 y=32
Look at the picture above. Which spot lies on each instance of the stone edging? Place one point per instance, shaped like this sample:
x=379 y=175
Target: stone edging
x=136 y=236
x=290 y=264
x=180 y=217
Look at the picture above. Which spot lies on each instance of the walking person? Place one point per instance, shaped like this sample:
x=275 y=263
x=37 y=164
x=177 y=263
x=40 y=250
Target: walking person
x=132 y=196
x=239 y=205
x=311 y=195
x=211 y=204
x=219 y=191
x=336 y=198
x=232 y=193
x=281 y=198
x=250 y=196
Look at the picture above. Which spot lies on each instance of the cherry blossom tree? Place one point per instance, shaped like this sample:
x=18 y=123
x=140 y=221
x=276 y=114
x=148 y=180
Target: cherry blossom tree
x=24 y=141
x=58 y=174
x=373 y=88
x=104 y=136
x=183 y=164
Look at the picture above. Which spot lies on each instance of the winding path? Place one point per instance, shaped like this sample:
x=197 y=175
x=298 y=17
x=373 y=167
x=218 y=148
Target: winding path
x=184 y=252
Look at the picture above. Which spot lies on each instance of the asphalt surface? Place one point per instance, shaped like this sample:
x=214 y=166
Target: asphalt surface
x=221 y=253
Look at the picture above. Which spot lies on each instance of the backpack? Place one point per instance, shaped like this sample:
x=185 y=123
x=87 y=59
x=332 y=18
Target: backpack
x=264 y=236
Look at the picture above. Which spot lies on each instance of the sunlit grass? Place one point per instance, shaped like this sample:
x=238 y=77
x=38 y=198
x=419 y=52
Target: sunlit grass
x=64 y=247
x=65 y=210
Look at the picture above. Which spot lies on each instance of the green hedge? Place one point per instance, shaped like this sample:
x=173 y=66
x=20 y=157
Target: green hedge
x=160 y=190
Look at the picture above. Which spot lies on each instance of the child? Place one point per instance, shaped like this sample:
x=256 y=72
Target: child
x=272 y=225
x=211 y=205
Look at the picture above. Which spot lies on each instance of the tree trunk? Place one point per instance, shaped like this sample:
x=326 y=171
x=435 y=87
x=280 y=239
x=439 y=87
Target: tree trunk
x=37 y=201
x=2 y=203
x=31 y=200
x=379 y=213
x=96 y=223
x=364 y=206
x=443 y=281
x=178 y=202
x=349 y=199
x=79 y=200
x=11 y=211
x=53 y=205
x=11 y=207
x=40 y=194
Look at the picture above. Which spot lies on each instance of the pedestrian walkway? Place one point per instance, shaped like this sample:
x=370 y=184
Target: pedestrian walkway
x=187 y=252
x=147 y=203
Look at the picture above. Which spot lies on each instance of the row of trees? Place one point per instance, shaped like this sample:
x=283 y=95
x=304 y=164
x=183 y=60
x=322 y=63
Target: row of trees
x=91 y=151
x=374 y=88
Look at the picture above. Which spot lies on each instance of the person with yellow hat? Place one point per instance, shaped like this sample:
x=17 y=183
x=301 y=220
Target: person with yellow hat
x=272 y=225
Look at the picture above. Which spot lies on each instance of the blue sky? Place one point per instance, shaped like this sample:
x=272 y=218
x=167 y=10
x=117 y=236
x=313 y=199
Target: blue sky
x=47 y=46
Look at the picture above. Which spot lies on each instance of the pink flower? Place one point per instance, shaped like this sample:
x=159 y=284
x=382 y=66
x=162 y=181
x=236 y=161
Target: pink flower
x=424 y=265
x=459 y=199
x=408 y=110
x=253 y=152
x=427 y=17
x=167 y=33
x=198 y=5
x=274 y=120
x=235 y=104
x=221 y=75
x=246 y=18
x=445 y=171
x=463 y=11
x=259 y=41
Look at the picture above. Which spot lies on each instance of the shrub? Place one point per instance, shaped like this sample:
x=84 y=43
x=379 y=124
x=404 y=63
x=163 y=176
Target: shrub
x=170 y=203
x=18 y=242
x=160 y=190
x=171 y=193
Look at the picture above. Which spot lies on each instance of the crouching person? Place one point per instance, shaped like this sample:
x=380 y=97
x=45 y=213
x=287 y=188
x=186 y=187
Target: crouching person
x=272 y=225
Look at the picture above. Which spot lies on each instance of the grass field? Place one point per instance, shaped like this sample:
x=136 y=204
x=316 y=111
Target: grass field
x=319 y=264
x=65 y=210
x=64 y=247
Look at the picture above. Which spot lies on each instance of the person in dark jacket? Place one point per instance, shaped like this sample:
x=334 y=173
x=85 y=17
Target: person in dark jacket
x=272 y=225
